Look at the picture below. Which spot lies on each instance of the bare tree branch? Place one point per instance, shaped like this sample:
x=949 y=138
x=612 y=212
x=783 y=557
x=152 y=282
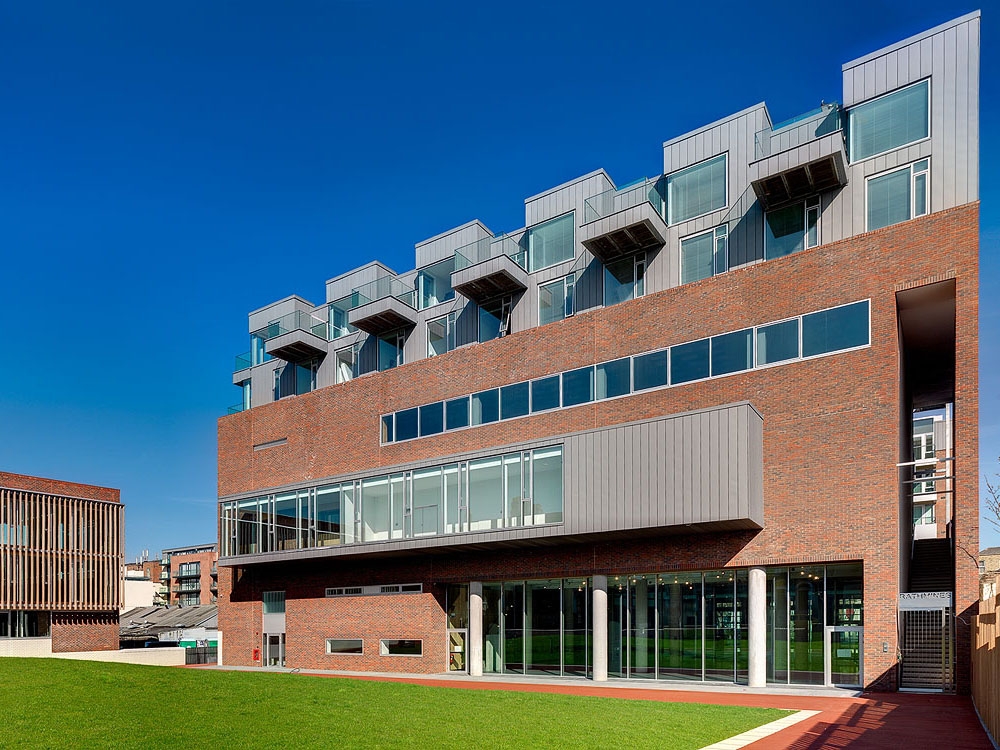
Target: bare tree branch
x=992 y=501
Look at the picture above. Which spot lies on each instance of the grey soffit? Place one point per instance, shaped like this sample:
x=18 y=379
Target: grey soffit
x=296 y=346
x=382 y=315
x=801 y=171
x=489 y=279
x=624 y=232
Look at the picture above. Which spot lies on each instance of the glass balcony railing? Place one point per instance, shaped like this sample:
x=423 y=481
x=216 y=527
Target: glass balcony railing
x=235 y=409
x=298 y=320
x=337 y=315
x=612 y=201
x=242 y=362
x=491 y=247
x=387 y=286
x=800 y=129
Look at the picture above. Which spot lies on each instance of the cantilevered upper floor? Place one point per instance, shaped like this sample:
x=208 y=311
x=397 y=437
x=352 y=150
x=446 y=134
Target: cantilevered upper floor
x=742 y=190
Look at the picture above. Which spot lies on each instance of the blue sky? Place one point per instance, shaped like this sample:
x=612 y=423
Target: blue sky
x=169 y=167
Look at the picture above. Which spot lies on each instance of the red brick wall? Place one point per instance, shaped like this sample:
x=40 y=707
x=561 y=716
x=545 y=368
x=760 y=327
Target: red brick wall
x=84 y=631
x=57 y=487
x=831 y=425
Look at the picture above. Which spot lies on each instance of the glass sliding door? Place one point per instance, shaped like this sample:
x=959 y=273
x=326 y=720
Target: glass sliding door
x=492 y=630
x=513 y=628
x=542 y=627
x=642 y=626
x=720 y=626
x=617 y=626
x=742 y=626
x=576 y=627
x=679 y=643
x=777 y=625
x=805 y=612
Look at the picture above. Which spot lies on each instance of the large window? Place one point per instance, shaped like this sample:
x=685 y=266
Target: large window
x=434 y=283
x=348 y=363
x=890 y=121
x=294 y=379
x=441 y=335
x=810 y=335
x=552 y=242
x=494 y=318
x=390 y=350
x=521 y=488
x=555 y=299
x=697 y=190
x=624 y=279
x=898 y=195
x=792 y=228
x=705 y=254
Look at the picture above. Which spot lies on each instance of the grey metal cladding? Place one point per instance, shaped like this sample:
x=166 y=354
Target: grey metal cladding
x=444 y=245
x=567 y=197
x=264 y=315
x=700 y=470
x=949 y=56
x=342 y=285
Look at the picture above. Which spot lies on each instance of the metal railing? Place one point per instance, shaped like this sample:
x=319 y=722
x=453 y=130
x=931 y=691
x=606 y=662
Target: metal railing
x=646 y=190
x=492 y=247
x=386 y=286
x=826 y=119
x=186 y=588
x=297 y=320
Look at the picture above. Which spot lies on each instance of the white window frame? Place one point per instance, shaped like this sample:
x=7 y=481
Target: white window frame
x=853 y=107
x=569 y=301
x=450 y=333
x=638 y=261
x=384 y=651
x=530 y=250
x=913 y=193
x=809 y=205
x=666 y=189
x=721 y=234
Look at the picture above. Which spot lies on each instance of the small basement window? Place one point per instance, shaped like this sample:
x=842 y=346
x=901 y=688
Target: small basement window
x=344 y=646
x=401 y=647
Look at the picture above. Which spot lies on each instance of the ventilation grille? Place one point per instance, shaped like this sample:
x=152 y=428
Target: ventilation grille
x=393 y=588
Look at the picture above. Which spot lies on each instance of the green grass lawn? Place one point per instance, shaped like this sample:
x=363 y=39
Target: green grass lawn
x=76 y=704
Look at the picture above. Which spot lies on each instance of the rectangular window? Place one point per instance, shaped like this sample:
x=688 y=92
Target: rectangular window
x=697 y=190
x=613 y=378
x=328 y=515
x=486 y=494
x=375 y=509
x=494 y=318
x=441 y=335
x=401 y=647
x=513 y=401
x=427 y=502
x=552 y=242
x=547 y=485
x=388 y=433
x=898 y=195
x=457 y=413
x=432 y=419
x=347 y=364
x=390 y=350
x=777 y=342
x=578 y=386
x=434 y=283
x=258 y=352
x=791 y=229
x=344 y=646
x=889 y=122
x=689 y=362
x=624 y=279
x=337 y=318
x=649 y=370
x=406 y=424
x=705 y=254
x=732 y=352
x=832 y=330
x=555 y=299
x=486 y=407
x=274 y=602
x=545 y=394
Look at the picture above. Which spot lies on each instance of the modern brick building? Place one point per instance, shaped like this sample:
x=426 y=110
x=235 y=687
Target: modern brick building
x=62 y=548
x=191 y=573
x=671 y=430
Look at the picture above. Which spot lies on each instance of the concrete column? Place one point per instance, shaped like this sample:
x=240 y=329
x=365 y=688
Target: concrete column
x=475 y=644
x=757 y=627
x=599 y=617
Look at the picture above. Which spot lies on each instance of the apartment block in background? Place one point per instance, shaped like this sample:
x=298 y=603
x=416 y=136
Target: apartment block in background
x=191 y=574
x=62 y=551
x=718 y=424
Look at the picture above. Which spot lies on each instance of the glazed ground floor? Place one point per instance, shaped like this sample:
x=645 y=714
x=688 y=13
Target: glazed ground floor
x=798 y=625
